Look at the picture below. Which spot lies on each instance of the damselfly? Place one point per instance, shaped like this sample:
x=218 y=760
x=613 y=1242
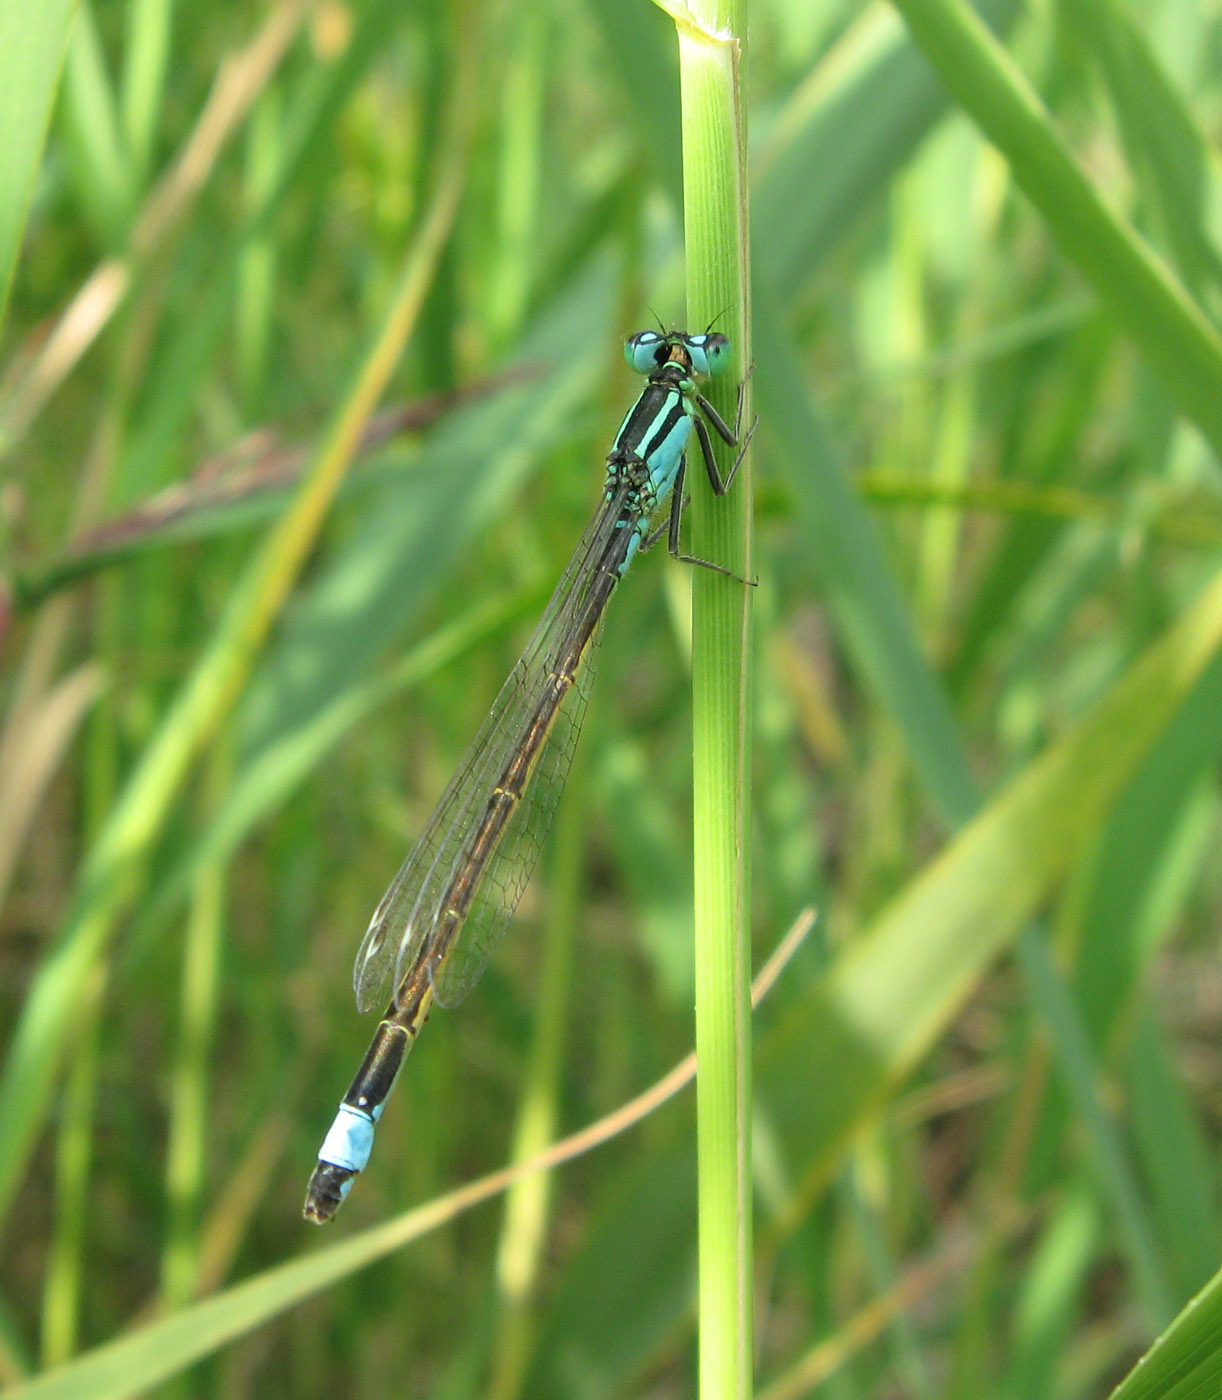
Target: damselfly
x=446 y=909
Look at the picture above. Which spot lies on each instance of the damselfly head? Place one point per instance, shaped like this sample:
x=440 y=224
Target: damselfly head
x=707 y=353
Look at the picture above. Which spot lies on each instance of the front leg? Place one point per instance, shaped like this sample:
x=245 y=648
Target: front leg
x=706 y=446
x=728 y=435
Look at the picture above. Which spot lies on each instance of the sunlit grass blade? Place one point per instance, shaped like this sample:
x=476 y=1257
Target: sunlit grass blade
x=1169 y=153
x=94 y=144
x=147 y=61
x=841 y=140
x=96 y=302
x=32 y=41
x=1186 y=1361
x=35 y=742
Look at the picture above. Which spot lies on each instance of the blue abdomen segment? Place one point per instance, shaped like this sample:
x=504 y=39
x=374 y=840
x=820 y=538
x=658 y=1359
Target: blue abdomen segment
x=349 y=1140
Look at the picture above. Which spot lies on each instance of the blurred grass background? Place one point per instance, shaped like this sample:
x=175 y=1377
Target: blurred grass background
x=987 y=504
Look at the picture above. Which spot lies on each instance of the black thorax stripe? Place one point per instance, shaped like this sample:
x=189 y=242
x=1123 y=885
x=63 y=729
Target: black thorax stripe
x=651 y=421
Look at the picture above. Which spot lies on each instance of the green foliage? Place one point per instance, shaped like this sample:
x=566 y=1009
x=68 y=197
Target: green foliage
x=987 y=694
x=32 y=44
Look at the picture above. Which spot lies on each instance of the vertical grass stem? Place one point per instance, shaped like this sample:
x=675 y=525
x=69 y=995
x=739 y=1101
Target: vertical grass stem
x=715 y=230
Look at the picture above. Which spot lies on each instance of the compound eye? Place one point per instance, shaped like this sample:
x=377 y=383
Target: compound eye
x=642 y=349
x=710 y=352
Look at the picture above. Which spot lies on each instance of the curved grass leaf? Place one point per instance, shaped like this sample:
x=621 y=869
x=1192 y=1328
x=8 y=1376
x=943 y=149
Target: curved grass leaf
x=1186 y=1361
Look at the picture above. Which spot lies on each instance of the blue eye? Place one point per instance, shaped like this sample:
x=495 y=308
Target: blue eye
x=641 y=350
x=710 y=352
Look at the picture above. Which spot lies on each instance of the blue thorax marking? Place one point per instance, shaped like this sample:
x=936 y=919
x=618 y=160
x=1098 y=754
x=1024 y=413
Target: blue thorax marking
x=653 y=434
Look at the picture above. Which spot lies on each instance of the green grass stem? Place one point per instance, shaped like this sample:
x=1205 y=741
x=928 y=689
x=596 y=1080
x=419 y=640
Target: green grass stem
x=711 y=58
